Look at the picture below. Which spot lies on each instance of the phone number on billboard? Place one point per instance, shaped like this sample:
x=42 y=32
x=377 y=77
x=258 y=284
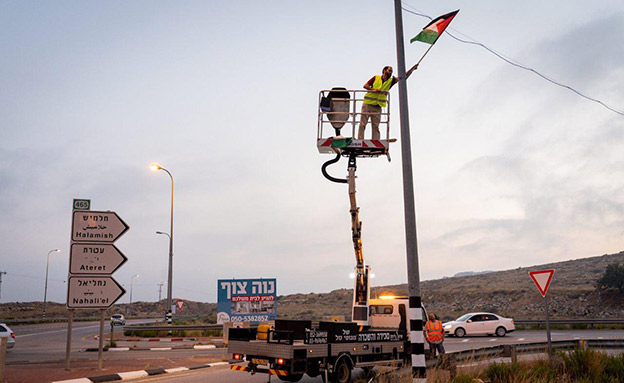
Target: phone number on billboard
x=249 y=318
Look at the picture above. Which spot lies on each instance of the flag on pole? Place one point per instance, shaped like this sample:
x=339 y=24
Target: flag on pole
x=434 y=29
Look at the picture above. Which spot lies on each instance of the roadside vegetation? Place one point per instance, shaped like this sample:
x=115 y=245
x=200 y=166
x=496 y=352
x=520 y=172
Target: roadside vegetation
x=577 y=366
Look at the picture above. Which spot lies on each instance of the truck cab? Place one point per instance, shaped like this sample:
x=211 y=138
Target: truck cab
x=389 y=311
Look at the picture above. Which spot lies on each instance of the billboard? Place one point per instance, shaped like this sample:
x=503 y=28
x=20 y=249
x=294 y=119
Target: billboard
x=246 y=300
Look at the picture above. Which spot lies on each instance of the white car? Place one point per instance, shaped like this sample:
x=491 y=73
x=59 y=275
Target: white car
x=479 y=324
x=118 y=319
x=5 y=332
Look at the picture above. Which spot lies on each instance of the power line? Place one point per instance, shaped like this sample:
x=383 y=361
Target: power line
x=512 y=62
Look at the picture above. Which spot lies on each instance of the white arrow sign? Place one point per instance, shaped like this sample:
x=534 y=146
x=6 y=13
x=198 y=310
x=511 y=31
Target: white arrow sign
x=93 y=258
x=97 y=226
x=93 y=292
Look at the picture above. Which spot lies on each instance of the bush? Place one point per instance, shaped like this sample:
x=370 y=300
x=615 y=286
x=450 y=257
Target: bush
x=582 y=364
x=613 y=278
x=462 y=379
x=502 y=372
x=613 y=369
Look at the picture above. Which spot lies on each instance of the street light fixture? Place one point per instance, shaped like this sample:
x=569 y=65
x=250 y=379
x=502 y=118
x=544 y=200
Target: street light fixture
x=45 y=291
x=156 y=167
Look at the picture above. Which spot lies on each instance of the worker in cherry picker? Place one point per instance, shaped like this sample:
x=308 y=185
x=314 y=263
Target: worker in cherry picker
x=375 y=99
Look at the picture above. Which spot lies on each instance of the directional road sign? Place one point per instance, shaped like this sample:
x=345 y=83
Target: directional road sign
x=95 y=258
x=97 y=226
x=542 y=279
x=93 y=292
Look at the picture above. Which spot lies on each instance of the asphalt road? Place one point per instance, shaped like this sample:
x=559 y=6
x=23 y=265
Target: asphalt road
x=47 y=342
x=223 y=374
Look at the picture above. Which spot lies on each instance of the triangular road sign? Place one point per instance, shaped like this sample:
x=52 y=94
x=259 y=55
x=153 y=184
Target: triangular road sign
x=180 y=304
x=542 y=279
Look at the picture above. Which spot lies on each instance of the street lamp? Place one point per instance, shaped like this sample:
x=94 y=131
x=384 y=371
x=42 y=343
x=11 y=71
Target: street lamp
x=160 y=285
x=156 y=167
x=131 y=280
x=45 y=291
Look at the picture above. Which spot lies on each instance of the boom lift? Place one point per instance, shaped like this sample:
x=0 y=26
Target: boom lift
x=339 y=107
x=293 y=348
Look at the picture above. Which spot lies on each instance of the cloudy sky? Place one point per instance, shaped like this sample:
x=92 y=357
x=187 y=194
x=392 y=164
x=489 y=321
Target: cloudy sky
x=509 y=169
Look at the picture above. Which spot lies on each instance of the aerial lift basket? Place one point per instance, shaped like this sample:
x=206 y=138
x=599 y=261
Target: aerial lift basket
x=338 y=121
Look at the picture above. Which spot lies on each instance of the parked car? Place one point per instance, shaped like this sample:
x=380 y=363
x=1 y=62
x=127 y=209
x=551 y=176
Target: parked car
x=118 y=320
x=479 y=324
x=5 y=332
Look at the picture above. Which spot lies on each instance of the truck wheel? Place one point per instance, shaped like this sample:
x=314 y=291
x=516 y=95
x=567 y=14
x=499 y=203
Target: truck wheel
x=342 y=372
x=290 y=378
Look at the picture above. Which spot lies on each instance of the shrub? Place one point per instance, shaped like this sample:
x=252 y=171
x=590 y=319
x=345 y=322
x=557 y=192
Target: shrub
x=582 y=364
x=613 y=369
x=462 y=379
x=502 y=372
x=613 y=278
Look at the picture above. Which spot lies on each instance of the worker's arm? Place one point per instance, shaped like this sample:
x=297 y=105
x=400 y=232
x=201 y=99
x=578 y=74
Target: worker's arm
x=410 y=71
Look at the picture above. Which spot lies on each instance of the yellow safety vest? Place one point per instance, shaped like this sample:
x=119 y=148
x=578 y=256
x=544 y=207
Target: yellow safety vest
x=434 y=331
x=371 y=98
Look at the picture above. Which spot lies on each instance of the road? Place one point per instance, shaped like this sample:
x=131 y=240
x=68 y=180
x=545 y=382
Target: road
x=223 y=374
x=46 y=342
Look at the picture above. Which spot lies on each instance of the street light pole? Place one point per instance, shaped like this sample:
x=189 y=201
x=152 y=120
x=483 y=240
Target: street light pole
x=160 y=285
x=45 y=291
x=132 y=280
x=1 y=274
x=419 y=372
x=168 y=314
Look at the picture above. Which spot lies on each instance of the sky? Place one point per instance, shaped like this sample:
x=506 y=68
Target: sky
x=510 y=170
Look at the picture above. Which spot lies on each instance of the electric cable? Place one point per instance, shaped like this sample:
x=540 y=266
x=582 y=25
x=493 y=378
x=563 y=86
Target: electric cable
x=516 y=64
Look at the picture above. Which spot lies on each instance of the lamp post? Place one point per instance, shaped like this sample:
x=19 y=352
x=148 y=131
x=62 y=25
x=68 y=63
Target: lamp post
x=45 y=291
x=155 y=167
x=132 y=280
x=160 y=285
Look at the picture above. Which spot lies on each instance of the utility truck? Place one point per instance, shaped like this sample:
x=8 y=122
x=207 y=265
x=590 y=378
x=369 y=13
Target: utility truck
x=378 y=332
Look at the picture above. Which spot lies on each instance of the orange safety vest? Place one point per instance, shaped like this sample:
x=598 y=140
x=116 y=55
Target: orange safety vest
x=434 y=331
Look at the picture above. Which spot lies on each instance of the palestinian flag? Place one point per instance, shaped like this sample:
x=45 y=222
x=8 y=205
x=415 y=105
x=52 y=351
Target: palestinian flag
x=434 y=29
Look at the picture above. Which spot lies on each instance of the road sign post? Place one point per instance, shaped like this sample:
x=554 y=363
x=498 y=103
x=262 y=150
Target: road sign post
x=542 y=280
x=93 y=259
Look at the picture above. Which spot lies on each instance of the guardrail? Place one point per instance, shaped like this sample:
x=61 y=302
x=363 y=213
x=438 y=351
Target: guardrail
x=528 y=322
x=452 y=360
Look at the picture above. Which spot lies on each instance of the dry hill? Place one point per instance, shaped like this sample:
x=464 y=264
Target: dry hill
x=511 y=293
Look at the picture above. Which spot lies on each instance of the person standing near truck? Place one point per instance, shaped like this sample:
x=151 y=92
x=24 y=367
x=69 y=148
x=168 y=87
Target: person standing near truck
x=434 y=333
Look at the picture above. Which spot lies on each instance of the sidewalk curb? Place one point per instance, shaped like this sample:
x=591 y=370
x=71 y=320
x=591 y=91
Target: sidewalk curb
x=138 y=374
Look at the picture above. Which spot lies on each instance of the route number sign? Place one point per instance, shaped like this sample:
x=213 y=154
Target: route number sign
x=82 y=204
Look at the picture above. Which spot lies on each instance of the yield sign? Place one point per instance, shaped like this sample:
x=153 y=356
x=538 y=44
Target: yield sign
x=97 y=226
x=180 y=304
x=542 y=279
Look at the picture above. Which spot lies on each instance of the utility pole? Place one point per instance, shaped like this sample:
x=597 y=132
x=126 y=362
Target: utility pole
x=417 y=341
x=1 y=274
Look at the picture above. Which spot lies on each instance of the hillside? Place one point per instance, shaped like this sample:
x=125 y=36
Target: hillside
x=572 y=294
